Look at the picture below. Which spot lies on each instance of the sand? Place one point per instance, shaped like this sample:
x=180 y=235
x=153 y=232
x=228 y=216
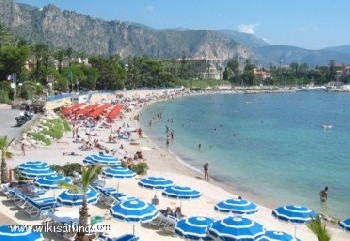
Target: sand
x=163 y=164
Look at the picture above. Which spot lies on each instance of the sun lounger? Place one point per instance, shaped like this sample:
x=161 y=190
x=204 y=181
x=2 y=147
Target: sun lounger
x=125 y=237
x=4 y=187
x=38 y=205
x=170 y=224
x=106 y=195
x=160 y=221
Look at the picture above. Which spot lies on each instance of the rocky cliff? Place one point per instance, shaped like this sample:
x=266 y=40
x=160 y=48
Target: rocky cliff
x=61 y=29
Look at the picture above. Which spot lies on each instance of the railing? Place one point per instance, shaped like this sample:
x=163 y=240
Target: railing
x=69 y=95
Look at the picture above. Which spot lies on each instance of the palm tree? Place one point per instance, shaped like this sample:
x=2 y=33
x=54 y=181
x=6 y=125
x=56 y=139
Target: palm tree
x=319 y=229
x=59 y=55
x=5 y=154
x=88 y=174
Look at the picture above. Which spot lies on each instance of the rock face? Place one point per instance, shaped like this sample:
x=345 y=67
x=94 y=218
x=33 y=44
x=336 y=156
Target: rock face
x=84 y=33
x=63 y=29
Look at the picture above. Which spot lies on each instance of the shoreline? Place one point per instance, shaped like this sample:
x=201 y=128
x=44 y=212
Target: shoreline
x=162 y=163
x=194 y=171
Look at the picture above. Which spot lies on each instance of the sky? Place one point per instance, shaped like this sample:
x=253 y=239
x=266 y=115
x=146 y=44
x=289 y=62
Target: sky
x=311 y=24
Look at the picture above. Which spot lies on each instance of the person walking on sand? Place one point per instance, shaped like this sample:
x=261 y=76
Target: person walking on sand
x=206 y=175
x=23 y=149
x=324 y=194
x=167 y=140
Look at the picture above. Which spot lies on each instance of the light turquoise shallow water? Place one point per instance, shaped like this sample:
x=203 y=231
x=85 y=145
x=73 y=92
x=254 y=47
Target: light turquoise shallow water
x=269 y=147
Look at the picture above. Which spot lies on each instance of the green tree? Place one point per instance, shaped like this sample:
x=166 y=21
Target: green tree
x=69 y=54
x=111 y=72
x=88 y=174
x=248 y=73
x=59 y=55
x=332 y=70
x=319 y=229
x=12 y=59
x=40 y=55
x=5 y=154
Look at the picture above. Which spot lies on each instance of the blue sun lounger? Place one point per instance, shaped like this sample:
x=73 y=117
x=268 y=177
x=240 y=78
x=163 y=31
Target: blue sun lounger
x=125 y=237
x=37 y=205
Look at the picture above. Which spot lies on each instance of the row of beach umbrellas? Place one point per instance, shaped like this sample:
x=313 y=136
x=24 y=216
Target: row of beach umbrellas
x=138 y=211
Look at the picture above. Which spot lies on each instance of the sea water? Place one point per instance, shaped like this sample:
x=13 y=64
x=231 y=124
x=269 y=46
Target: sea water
x=267 y=147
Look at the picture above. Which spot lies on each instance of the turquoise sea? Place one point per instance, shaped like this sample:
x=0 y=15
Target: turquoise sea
x=269 y=148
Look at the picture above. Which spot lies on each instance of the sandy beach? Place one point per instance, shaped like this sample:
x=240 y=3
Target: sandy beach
x=162 y=163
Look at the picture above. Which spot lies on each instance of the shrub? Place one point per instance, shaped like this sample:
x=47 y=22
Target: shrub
x=140 y=168
x=40 y=136
x=4 y=96
x=26 y=93
x=66 y=125
x=67 y=169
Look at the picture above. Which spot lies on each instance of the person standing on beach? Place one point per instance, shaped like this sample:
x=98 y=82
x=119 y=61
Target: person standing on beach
x=23 y=149
x=172 y=134
x=167 y=140
x=206 y=175
x=199 y=146
x=324 y=194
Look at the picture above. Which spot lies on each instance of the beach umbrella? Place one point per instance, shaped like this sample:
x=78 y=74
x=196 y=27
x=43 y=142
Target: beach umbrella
x=236 y=228
x=35 y=169
x=20 y=234
x=345 y=224
x=33 y=164
x=277 y=236
x=119 y=172
x=194 y=228
x=70 y=198
x=102 y=159
x=52 y=181
x=181 y=192
x=236 y=206
x=294 y=214
x=134 y=211
x=155 y=183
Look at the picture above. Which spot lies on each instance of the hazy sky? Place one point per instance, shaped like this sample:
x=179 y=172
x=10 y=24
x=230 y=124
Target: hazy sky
x=310 y=24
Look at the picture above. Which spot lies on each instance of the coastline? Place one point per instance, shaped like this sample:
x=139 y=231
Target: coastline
x=181 y=165
x=163 y=163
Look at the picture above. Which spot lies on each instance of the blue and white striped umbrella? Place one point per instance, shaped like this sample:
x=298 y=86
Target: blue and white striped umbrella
x=345 y=224
x=156 y=183
x=237 y=206
x=294 y=214
x=6 y=234
x=102 y=159
x=33 y=164
x=236 y=228
x=194 y=228
x=35 y=169
x=277 y=236
x=69 y=198
x=119 y=172
x=52 y=181
x=181 y=192
x=134 y=211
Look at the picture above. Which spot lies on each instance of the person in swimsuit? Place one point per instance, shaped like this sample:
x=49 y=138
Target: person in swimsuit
x=324 y=194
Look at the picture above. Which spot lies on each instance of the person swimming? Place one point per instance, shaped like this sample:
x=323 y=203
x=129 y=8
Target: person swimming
x=324 y=194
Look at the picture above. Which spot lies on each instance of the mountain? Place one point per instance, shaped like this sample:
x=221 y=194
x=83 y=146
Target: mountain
x=341 y=49
x=284 y=54
x=62 y=29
